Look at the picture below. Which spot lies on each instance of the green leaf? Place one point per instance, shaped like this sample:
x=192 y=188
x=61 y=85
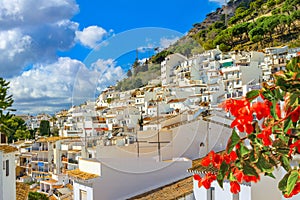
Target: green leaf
x=244 y=150
x=221 y=174
x=285 y=162
x=233 y=140
x=291 y=182
x=279 y=143
x=284 y=138
x=278 y=94
x=283 y=182
x=273 y=110
x=253 y=157
x=252 y=94
x=287 y=124
x=264 y=165
x=270 y=175
x=294 y=99
x=231 y=177
x=249 y=170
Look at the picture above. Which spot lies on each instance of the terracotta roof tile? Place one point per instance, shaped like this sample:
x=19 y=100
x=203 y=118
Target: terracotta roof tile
x=8 y=149
x=76 y=173
x=22 y=191
x=174 y=190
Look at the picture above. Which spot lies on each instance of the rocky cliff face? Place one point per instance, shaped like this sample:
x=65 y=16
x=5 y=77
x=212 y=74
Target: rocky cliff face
x=217 y=15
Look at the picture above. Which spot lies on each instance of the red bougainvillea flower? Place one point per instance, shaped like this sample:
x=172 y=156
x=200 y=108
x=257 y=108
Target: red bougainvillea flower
x=251 y=178
x=230 y=157
x=197 y=177
x=237 y=107
x=265 y=136
x=238 y=175
x=208 y=179
x=212 y=158
x=235 y=187
x=295 y=114
x=206 y=161
x=243 y=123
x=261 y=109
x=295 y=144
x=278 y=111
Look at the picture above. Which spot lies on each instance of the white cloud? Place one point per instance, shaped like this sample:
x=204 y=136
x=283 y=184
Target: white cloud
x=166 y=42
x=48 y=88
x=23 y=13
x=91 y=36
x=33 y=31
x=220 y=2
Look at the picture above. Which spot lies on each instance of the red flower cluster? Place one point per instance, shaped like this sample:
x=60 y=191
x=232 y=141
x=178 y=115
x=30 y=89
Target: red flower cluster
x=265 y=136
x=235 y=187
x=215 y=160
x=243 y=113
x=295 y=114
x=206 y=180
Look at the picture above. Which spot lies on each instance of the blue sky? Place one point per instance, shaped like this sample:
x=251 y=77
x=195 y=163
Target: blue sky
x=57 y=53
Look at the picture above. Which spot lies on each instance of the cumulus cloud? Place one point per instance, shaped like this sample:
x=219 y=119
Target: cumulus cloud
x=25 y=13
x=33 y=31
x=61 y=84
x=166 y=42
x=91 y=36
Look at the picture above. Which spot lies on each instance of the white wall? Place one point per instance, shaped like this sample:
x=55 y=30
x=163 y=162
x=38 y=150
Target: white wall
x=125 y=178
x=221 y=194
x=90 y=166
x=8 y=183
x=76 y=189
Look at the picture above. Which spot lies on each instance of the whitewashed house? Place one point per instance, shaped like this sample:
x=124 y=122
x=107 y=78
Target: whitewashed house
x=8 y=172
x=168 y=66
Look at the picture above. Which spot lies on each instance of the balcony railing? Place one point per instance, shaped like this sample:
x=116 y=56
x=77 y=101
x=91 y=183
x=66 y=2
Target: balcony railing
x=39 y=148
x=73 y=161
x=39 y=159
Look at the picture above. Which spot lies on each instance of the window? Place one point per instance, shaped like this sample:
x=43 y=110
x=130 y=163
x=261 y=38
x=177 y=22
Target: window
x=7 y=167
x=83 y=195
x=211 y=193
x=3 y=165
x=236 y=196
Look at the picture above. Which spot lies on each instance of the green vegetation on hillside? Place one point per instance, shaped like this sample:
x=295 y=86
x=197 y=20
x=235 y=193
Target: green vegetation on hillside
x=255 y=24
x=142 y=73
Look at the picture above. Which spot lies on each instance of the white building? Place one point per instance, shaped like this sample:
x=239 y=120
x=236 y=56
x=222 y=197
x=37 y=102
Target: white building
x=168 y=66
x=8 y=172
x=107 y=179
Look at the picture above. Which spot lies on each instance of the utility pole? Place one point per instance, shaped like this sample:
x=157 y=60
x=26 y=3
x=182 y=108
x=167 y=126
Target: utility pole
x=158 y=139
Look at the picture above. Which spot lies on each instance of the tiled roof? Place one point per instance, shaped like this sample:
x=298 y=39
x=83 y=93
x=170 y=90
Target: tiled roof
x=8 y=149
x=54 y=139
x=22 y=191
x=198 y=168
x=174 y=190
x=76 y=173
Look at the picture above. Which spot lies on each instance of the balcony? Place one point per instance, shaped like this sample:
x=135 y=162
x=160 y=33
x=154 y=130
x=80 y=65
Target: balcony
x=35 y=159
x=39 y=148
x=72 y=161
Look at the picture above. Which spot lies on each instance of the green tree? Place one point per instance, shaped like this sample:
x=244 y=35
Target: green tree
x=37 y=196
x=45 y=128
x=6 y=102
x=17 y=129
